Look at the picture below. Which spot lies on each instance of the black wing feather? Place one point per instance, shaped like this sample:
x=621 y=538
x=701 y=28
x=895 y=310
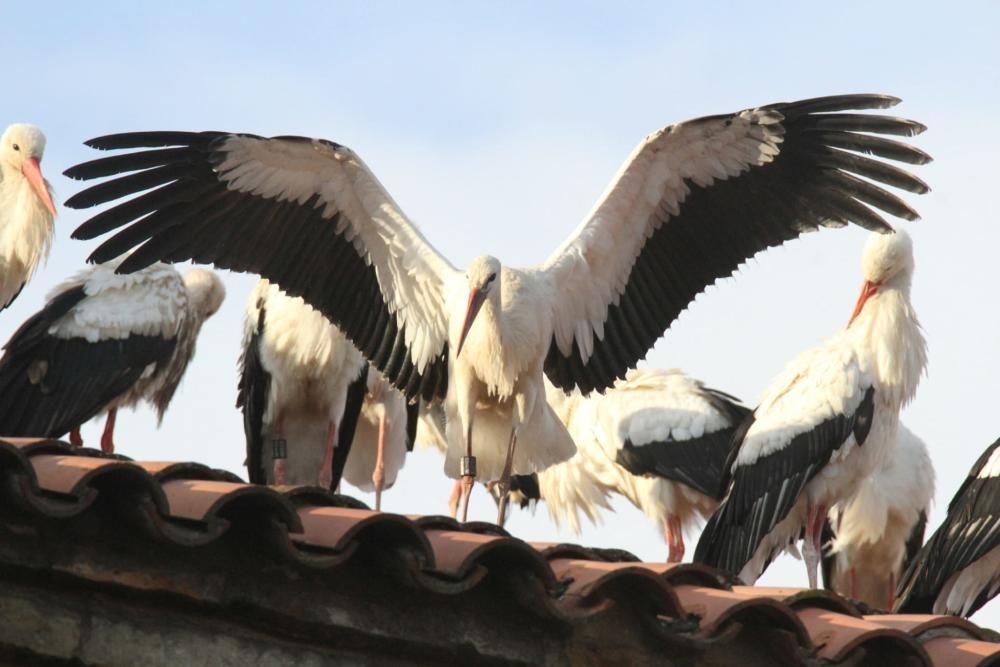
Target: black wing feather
x=251 y=398
x=761 y=495
x=412 y=421
x=970 y=531
x=356 y=393
x=811 y=183
x=49 y=385
x=191 y=215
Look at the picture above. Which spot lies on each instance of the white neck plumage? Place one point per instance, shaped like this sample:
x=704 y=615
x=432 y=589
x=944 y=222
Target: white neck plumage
x=887 y=335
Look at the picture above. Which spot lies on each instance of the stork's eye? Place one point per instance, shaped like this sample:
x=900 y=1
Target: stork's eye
x=16 y=147
x=490 y=278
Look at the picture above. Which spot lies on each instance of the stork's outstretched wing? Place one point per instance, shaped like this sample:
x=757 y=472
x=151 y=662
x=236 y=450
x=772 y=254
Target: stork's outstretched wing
x=697 y=199
x=305 y=213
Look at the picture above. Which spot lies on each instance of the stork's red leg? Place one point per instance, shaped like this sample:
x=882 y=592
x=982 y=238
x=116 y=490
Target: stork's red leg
x=279 y=449
x=325 y=478
x=75 y=438
x=675 y=539
x=811 y=546
x=852 y=577
x=108 y=437
x=456 y=495
x=378 y=475
x=891 y=598
x=468 y=472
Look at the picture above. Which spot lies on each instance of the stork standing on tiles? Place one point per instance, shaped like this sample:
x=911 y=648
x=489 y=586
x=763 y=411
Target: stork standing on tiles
x=880 y=530
x=692 y=202
x=102 y=342
x=26 y=209
x=823 y=426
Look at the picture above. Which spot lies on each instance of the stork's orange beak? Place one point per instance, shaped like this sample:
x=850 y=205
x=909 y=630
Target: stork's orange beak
x=33 y=173
x=476 y=299
x=868 y=290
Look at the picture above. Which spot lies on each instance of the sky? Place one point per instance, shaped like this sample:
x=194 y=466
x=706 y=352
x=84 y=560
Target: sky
x=496 y=126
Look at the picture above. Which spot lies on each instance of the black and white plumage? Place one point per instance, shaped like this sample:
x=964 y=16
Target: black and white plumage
x=296 y=372
x=658 y=437
x=878 y=532
x=958 y=570
x=26 y=209
x=102 y=342
x=825 y=423
x=692 y=202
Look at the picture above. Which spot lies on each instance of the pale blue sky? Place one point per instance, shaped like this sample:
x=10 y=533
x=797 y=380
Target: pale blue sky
x=497 y=125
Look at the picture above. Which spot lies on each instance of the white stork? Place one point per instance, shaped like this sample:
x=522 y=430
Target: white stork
x=658 y=437
x=103 y=341
x=823 y=426
x=26 y=209
x=385 y=433
x=958 y=570
x=881 y=529
x=296 y=373
x=692 y=202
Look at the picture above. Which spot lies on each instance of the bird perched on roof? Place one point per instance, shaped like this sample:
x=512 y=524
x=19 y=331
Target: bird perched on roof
x=658 y=437
x=26 y=209
x=692 y=202
x=823 y=426
x=103 y=341
x=297 y=371
x=958 y=570
x=881 y=528
x=386 y=431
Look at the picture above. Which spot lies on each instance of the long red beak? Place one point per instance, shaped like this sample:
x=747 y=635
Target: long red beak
x=476 y=299
x=868 y=290
x=33 y=173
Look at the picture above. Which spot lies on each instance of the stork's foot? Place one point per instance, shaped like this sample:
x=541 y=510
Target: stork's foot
x=107 y=444
x=75 y=439
x=325 y=478
x=467 y=467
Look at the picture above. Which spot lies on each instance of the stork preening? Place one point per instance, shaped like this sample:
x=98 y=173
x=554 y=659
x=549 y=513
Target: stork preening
x=880 y=530
x=692 y=202
x=823 y=426
x=26 y=209
x=296 y=373
x=658 y=437
x=958 y=570
x=103 y=341
x=385 y=433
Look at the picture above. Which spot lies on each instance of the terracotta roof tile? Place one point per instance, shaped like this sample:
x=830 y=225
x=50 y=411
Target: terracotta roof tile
x=188 y=505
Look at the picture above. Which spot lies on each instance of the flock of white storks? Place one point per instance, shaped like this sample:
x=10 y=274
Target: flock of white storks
x=361 y=339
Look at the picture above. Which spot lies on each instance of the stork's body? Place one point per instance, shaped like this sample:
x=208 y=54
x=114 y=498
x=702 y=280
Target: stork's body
x=102 y=342
x=658 y=437
x=26 y=209
x=958 y=570
x=880 y=530
x=310 y=216
x=824 y=425
x=296 y=372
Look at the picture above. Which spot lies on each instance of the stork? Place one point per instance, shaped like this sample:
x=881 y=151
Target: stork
x=692 y=202
x=296 y=373
x=658 y=437
x=386 y=432
x=958 y=570
x=880 y=529
x=26 y=209
x=823 y=426
x=103 y=341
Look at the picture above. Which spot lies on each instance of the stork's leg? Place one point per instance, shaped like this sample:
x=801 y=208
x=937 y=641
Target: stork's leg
x=325 y=477
x=504 y=483
x=811 y=546
x=675 y=538
x=108 y=437
x=468 y=472
x=456 y=495
x=378 y=475
x=279 y=449
x=75 y=438
x=852 y=582
x=890 y=599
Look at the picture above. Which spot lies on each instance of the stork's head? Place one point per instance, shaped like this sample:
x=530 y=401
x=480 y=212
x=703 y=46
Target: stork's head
x=484 y=282
x=205 y=291
x=21 y=150
x=887 y=262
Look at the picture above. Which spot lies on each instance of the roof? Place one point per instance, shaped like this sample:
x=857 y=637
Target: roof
x=301 y=569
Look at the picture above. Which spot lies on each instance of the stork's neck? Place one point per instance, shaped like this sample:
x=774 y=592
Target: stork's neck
x=887 y=336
